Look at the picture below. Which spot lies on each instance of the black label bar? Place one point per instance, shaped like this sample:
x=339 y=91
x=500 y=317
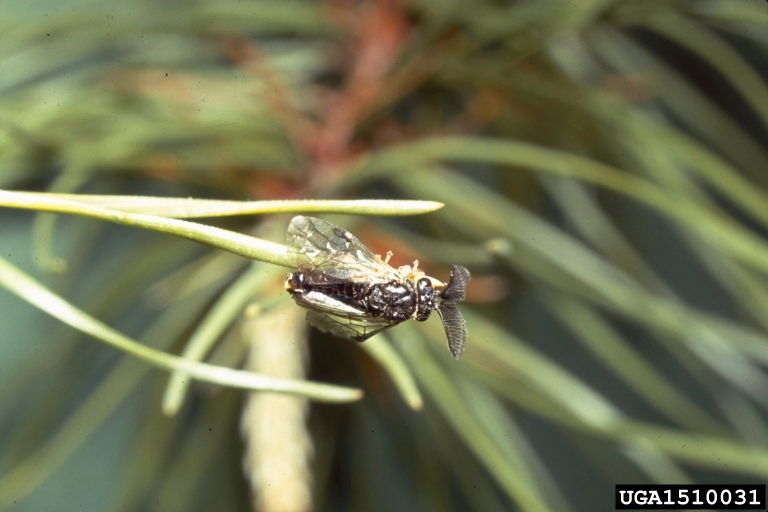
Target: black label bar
x=691 y=497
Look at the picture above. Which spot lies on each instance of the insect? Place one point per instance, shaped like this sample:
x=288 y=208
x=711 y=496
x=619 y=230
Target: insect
x=354 y=294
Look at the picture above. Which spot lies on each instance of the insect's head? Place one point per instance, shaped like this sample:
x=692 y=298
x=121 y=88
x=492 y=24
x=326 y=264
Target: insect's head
x=427 y=298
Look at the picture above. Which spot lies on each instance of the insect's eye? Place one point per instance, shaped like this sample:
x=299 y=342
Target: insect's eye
x=423 y=285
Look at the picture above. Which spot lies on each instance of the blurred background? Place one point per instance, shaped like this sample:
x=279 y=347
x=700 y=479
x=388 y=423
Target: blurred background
x=603 y=166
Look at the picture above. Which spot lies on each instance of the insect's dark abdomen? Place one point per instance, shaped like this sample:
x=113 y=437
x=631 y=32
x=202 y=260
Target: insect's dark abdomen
x=346 y=292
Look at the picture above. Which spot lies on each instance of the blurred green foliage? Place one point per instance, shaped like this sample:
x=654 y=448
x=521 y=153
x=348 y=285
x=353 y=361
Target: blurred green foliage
x=603 y=167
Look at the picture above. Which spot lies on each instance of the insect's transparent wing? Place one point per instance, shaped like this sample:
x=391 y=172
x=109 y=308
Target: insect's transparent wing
x=456 y=289
x=354 y=328
x=455 y=328
x=318 y=245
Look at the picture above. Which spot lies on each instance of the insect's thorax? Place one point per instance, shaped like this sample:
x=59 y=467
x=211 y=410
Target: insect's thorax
x=393 y=300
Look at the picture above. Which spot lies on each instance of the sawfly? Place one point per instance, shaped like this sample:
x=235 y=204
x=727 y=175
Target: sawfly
x=352 y=293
